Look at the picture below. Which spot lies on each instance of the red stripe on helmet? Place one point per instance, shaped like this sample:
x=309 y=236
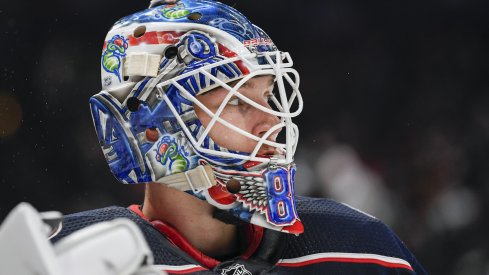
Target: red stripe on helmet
x=223 y=50
x=155 y=38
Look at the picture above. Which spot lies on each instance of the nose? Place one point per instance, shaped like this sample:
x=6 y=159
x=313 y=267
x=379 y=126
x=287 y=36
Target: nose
x=263 y=122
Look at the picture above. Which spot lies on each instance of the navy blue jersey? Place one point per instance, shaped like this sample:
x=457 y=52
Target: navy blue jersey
x=337 y=240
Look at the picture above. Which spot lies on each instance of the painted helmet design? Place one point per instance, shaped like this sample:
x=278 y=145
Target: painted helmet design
x=155 y=64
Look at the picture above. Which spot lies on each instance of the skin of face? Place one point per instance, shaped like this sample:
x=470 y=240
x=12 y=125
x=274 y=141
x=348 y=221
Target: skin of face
x=241 y=114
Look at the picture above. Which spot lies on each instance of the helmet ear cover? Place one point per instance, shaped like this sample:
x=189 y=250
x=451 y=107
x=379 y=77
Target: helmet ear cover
x=145 y=119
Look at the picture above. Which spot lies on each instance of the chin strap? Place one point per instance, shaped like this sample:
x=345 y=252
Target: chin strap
x=197 y=179
x=271 y=248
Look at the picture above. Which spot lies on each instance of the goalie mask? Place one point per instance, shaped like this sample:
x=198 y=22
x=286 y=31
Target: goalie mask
x=152 y=125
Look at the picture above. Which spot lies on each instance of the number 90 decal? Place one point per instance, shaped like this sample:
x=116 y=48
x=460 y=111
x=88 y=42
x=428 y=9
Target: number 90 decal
x=280 y=191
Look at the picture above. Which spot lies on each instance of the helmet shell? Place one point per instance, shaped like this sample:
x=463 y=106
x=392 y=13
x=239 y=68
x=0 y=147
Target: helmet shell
x=146 y=138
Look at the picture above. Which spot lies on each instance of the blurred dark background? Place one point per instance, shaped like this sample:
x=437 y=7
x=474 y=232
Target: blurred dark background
x=396 y=118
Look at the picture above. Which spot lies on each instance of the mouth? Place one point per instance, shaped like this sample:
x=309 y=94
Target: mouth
x=268 y=152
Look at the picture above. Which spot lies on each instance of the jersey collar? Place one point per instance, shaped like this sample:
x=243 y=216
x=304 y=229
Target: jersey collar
x=253 y=235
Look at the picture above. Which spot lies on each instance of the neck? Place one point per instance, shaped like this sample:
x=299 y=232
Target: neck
x=192 y=217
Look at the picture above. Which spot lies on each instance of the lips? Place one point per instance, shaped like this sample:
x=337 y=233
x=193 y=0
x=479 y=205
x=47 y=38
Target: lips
x=267 y=151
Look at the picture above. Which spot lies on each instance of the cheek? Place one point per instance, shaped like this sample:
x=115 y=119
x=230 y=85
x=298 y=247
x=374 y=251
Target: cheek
x=224 y=136
x=236 y=117
x=229 y=138
x=202 y=116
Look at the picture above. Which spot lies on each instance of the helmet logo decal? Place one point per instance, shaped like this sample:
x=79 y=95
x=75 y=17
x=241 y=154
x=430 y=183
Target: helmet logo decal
x=113 y=54
x=196 y=49
x=169 y=151
x=175 y=11
x=252 y=44
x=107 y=81
x=171 y=154
x=281 y=210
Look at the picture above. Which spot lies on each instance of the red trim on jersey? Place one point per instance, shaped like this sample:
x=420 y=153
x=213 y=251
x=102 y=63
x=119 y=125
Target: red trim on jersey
x=186 y=271
x=254 y=237
x=183 y=244
x=347 y=260
x=137 y=210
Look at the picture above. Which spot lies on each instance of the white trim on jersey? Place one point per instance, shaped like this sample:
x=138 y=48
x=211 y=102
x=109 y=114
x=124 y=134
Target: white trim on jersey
x=346 y=258
x=180 y=269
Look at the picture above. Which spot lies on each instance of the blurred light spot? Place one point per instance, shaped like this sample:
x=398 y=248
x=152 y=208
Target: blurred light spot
x=10 y=115
x=346 y=179
x=453 y=209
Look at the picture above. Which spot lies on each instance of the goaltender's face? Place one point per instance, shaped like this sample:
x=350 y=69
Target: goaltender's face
x=242 y=115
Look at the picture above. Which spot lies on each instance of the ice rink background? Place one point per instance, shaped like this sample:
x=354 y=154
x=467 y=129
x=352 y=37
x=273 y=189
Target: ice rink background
x=396 y=118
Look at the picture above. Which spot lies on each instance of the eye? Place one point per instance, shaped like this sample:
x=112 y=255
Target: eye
x=269 y=97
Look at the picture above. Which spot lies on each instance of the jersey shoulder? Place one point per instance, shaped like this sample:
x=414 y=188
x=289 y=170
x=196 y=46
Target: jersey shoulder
x=76 y=221
x=336 y=231
x=164 y=253
x=332 y=226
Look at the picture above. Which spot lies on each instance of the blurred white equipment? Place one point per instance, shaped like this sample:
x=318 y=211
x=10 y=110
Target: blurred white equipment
x=116 y=247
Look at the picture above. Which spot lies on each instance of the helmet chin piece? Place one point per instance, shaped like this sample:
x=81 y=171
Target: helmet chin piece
x=155 y=63
x=264 y=197
x=260 y=195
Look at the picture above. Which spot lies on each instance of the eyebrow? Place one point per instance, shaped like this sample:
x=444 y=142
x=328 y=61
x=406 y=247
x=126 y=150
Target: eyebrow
x=251 y=85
